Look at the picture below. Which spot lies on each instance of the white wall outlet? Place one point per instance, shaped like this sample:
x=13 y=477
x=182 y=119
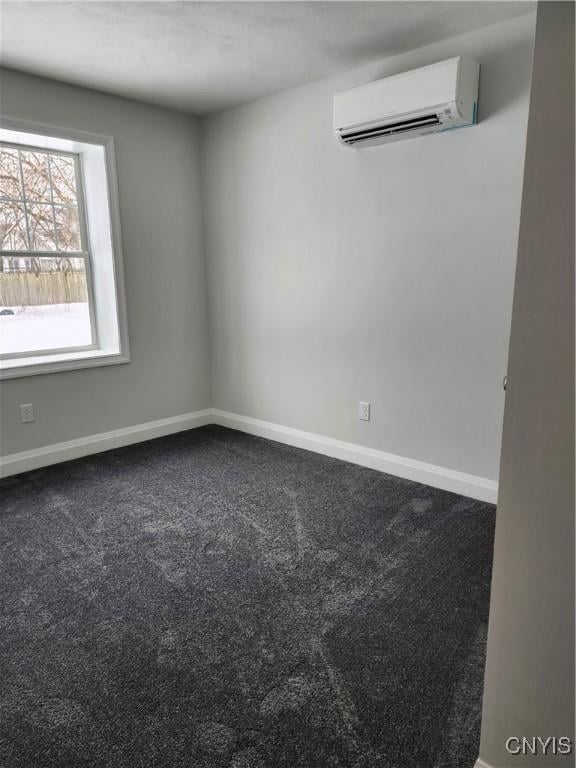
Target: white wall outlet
x=26 y=413
x=364 y=411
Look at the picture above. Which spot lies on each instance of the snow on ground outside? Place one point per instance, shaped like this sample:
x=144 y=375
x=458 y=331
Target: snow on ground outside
x=49 y=326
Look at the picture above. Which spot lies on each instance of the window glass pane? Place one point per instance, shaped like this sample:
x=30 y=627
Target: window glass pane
x=67 y=228
x=43 y=304
x=41 y=227
x=63 y=172
x=50 y=201
x=10 y=182
x=13 y=235
x=36 y=176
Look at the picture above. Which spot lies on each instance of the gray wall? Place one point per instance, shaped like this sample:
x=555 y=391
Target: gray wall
x=157 y=164
x=529 y=687
x=383 y=274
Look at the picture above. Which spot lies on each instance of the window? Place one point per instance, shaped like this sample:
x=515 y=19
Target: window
x=45 y=291
x=61 y=298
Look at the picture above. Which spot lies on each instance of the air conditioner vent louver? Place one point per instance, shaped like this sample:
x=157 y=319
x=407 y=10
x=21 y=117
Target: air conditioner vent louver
x=431 y=99
x=353 y=137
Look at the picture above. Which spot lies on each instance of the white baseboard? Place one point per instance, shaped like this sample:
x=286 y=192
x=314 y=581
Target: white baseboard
x=104 y=441
x=410 y=469
x=481 y=764
x=438 y=477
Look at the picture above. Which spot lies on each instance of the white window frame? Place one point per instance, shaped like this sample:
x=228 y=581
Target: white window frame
x=83 y=253
x=100 y=243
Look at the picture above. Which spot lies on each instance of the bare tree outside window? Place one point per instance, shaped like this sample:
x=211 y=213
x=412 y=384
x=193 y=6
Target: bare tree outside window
x=39 y=201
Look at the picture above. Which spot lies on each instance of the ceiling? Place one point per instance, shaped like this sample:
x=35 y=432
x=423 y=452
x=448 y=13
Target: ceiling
x=201 y=57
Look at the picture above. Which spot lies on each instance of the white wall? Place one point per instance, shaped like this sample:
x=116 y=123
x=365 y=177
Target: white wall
x=529 y=689
x=157 y=165
x=383 y=274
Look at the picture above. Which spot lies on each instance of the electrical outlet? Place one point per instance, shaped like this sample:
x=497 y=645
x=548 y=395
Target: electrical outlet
x=26 y=413
x=364 y=411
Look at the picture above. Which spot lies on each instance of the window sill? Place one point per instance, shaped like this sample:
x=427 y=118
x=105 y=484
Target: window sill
x=65 y=361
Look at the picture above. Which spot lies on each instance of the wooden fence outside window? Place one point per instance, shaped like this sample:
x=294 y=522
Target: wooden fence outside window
x=26 y=289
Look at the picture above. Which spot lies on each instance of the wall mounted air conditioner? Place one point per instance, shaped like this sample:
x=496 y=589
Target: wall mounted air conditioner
x=427 y=100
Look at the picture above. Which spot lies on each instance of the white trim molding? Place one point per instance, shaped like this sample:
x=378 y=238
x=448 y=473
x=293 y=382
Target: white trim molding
x=481 y=764
x=429 y=474
x=16 y=463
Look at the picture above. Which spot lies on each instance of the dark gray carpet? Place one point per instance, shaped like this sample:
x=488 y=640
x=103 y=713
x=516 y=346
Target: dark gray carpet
x=213 y=600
